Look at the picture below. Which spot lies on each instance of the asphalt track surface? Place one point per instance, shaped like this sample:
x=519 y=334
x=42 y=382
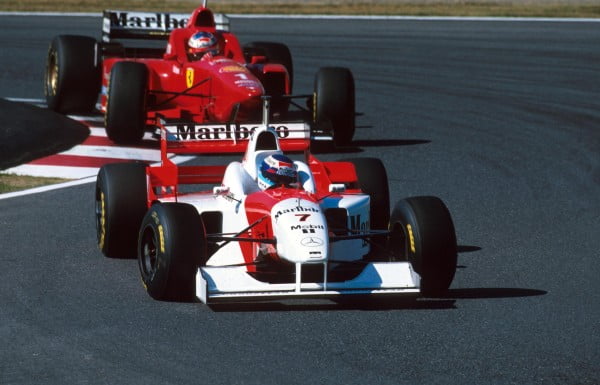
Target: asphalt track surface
x=499 y=119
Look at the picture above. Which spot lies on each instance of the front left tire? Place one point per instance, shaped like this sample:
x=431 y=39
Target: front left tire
x=333 y=103
x=125 y=118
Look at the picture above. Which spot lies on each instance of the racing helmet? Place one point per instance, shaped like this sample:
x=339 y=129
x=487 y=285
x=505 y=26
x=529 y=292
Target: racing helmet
x=200 y=43
x=276 y=169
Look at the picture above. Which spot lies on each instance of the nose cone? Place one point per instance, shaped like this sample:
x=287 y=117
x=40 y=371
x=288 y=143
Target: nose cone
x=301 y=231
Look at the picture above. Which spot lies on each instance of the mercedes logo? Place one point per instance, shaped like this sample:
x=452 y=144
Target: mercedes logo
x=311 y=241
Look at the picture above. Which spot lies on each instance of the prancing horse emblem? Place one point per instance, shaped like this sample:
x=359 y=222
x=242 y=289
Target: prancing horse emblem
x=189 y=77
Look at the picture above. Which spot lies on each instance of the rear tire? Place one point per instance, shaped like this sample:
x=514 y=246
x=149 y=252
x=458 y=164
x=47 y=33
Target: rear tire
x=171 y=247
x=274 y=52
x=120 y=207
x=373 y=180
x=334 y=102
x=125 y=118
x=422 y=231
x=72 y=78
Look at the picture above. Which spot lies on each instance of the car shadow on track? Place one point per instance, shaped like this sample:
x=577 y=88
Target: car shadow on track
x=357 y=145
x=443 y=301
x=29 y=132
x=491 y=292
x=439 y=302
x=364 y=304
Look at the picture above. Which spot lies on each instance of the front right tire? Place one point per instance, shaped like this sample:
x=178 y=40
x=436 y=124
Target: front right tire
x=422 y=231
x=171 y=247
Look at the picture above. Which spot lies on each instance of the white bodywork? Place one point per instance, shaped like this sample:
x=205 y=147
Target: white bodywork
x=302 y=238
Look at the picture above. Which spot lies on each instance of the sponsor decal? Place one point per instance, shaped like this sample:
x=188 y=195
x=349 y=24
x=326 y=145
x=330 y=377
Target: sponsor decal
x=232 y=68
x=245 y=81
x=231 y=131
x=146 y=20
x=411 y=238
x=230 y=197
x=307 y=229
x=161 y=232
x=161 y=238
x=247 y=84
x=297 y=209
x=189 y=77
x=311 y=242
x=315 y=254
x=219 y=61
x=102 y=221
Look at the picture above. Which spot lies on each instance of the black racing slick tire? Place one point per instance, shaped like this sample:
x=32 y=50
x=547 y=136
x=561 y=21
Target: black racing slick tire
x=121 y=203
x=334 y=102
x=171 y=247
x=422 y=232
x=274 y=52
x=125 y=118
x=72 y=77
x=373 y=180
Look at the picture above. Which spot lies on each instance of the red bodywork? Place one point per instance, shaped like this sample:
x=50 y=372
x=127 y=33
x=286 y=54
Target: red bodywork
x=208 y=89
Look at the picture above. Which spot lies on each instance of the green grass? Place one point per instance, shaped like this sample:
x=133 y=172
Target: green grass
x=10 y=182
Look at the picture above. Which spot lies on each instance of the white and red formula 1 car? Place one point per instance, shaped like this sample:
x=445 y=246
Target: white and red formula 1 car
x=316 y=229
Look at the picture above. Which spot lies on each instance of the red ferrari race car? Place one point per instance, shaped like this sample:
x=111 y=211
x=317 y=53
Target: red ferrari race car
x=188 y=68
x=280 y=223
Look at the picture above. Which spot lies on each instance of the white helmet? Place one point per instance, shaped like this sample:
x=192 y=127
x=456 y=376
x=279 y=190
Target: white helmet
x=200 y=43
x=276 y=169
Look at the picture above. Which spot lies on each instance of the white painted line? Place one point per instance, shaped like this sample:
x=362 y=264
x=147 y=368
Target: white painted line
x=345 y=17
x=148 y=155
x=88 y=118
x=65 y=172
x=97 y=131
x=27 y=100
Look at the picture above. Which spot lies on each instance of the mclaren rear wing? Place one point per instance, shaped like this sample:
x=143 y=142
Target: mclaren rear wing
x=202 y=139
x=228 y=137
x=147 y=25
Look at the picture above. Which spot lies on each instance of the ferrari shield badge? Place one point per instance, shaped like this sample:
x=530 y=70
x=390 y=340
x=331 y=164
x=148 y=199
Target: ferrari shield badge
x=189 y=77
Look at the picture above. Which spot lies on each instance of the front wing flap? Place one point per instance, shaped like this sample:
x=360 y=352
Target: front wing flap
x=216 y=284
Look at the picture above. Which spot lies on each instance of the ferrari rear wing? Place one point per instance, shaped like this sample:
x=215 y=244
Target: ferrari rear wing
x=148 y=25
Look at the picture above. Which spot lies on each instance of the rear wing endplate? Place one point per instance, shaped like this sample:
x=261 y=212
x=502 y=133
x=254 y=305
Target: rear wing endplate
x=148 y=25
